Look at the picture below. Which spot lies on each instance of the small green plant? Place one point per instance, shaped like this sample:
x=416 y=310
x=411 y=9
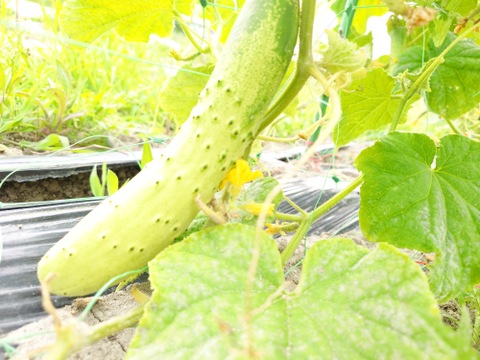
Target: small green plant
x=228 y=297
x=106 y=185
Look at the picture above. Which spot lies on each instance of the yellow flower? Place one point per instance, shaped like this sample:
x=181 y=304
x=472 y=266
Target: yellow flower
x=256 y=208
x=239 y=175
x=275 y=228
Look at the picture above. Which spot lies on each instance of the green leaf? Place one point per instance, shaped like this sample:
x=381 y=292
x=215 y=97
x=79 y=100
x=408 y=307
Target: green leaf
x=112 y=182
x=3 y=77
x=455 y=84
x=181 y=92
x=368 y=104
x=341 y=55
x=459 y=7
x=95 y=185
x=196 y=225
x=350 y=303
x=368 y=8
x=86 y=20
x=147 y=155
x=442 y=26
x=51 y=143
x=259 y=190
x=406 y=202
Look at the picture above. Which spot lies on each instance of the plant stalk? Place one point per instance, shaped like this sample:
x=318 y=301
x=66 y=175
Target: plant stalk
x=314 y=215
x=305 y=59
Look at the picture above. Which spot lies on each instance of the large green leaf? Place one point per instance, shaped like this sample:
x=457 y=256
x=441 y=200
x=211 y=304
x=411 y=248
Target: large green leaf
x=368 y=104
x=455 y=84
x=350 y=304
x=86 y=20
x=181 y=92
x=407 y=202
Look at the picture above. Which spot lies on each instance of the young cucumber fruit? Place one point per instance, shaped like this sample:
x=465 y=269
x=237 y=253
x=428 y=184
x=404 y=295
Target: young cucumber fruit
x=131 y=227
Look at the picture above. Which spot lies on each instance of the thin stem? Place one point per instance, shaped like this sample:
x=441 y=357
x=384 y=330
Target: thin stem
x=116 y=324
x=289 y=217
x=453 y=127
x=295 y=206
x=76 y=338
x=315 y=214
x=279 y=140
x=191 y=36
x=306 y=223
x=297 y=238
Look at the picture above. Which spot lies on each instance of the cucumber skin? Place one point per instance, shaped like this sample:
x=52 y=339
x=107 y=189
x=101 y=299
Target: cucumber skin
x=131 y=227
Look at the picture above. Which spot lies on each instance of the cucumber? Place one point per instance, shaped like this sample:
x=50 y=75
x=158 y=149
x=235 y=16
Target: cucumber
x=131 y=227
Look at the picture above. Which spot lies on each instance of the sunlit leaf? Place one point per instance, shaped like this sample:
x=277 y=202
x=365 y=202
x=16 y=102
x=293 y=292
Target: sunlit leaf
x=180 y=94
x=368 y=104
x=409 y=202
x=350 y=303
x=86 y=20
x=455 y=84
x=95 y=184
x=367 y=8
x=112 y=182
x=147 y=155
x=341 y=55
x=50 y=143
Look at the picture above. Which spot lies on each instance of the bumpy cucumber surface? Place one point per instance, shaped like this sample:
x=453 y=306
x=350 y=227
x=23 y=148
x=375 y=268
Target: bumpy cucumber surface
x=131 y=227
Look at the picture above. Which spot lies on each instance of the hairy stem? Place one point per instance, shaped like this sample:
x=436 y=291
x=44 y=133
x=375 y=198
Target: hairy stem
x=289 y=217
x=114 y=325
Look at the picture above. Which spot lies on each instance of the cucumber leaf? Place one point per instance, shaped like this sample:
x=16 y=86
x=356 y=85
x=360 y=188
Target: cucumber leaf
x=341 y=55
x=455 y=84
x=180 y=94
x=86 y=20
x=350 y=303
x=408 y=202
x=367 y=104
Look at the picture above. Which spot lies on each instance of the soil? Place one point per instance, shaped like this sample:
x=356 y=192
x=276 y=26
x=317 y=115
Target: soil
x=70 y=187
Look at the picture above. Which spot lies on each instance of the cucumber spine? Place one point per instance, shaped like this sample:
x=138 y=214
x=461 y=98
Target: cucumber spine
x=131 y=227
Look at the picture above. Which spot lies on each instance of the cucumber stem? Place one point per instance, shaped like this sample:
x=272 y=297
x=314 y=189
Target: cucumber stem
x=289 y=217
x=305 y=59
x=191 y=35
x=295 y=206
x=61 y=350
x=116 y=324
x=314 y=215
